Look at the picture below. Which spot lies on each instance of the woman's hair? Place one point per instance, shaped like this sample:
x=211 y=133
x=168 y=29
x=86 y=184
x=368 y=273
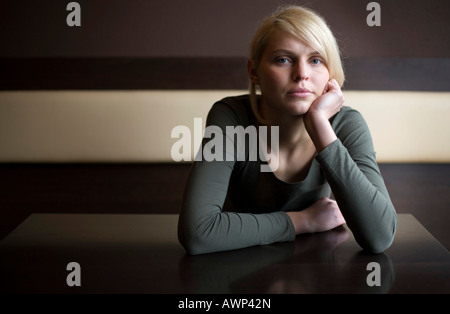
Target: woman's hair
x=307 y=26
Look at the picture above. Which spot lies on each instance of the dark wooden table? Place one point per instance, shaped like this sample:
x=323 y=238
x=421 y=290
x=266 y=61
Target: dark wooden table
x=141 y=254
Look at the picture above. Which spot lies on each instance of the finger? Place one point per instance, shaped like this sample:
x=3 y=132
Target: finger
x=335 y=82
x=333 y=85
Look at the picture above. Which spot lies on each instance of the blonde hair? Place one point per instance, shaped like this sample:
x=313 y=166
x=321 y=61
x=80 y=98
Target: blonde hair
x=304 y=24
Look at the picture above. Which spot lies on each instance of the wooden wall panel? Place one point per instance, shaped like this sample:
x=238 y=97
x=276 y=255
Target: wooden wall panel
x=213 y=73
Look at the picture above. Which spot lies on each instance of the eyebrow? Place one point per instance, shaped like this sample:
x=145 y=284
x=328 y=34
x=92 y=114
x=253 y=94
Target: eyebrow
x=290 y=52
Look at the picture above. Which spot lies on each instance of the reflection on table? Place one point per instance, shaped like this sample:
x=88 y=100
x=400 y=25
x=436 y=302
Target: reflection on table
x=141 y=254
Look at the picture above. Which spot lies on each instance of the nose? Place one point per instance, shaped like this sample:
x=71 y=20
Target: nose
x=300 y=71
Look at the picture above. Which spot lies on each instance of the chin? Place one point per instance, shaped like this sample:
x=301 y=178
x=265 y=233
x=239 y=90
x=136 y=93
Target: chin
x=300 y=107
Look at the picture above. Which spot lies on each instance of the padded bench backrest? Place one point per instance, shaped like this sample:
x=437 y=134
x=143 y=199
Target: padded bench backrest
x=135 y=126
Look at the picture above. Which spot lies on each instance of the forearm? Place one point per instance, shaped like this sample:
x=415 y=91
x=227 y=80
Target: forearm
x=361 y=195
x=205 y=228
x=300 y=221
x=229 y=231
x=319 y=129
x=354 y=177
x=322 y=109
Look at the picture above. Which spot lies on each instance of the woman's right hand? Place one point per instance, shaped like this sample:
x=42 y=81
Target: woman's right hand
x=323 y=215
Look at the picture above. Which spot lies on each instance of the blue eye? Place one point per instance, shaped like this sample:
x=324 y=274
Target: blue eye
x=316 y=61
x=282 y=60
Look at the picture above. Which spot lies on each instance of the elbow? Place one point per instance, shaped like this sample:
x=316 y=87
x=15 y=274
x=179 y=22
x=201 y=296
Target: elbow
x=192 y=245
x=383 y=240
x=376 y=247
x=192 y=240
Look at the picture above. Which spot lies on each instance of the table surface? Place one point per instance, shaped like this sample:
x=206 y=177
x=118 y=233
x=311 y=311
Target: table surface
x=138 y=253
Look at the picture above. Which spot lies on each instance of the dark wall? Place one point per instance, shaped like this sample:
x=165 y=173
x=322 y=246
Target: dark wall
x=202 y=44
x=194 y=28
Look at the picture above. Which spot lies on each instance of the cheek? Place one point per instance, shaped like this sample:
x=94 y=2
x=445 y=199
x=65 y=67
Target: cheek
x=274 y=77
x=270 y=79
x=322 y=78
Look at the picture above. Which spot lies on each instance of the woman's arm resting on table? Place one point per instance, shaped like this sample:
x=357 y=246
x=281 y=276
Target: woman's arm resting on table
x=203 y=226
x=349 y=164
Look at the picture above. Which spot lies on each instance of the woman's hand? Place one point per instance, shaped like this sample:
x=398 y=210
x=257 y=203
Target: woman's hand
x=323 y=215
x=330 y=102
x=321 y=110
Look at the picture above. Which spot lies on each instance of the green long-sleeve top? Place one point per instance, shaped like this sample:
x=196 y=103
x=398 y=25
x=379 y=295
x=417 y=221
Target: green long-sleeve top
x=347 y=167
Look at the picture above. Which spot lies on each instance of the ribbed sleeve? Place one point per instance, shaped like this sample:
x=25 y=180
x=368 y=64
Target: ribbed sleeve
x=203 y=226
x=350 y=167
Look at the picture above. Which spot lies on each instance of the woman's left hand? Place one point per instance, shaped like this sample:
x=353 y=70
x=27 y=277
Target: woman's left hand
x=322 y=109
x=330 y=102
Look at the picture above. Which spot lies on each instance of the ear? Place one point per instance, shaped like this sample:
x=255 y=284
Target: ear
x=251 y=69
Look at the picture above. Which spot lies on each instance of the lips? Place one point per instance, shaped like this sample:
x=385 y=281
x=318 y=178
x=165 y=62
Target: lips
x=299 y=92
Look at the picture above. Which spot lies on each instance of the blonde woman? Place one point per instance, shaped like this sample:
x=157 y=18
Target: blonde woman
x=296 y=75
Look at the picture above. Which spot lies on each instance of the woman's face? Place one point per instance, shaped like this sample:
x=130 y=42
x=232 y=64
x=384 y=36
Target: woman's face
x=291 y=75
